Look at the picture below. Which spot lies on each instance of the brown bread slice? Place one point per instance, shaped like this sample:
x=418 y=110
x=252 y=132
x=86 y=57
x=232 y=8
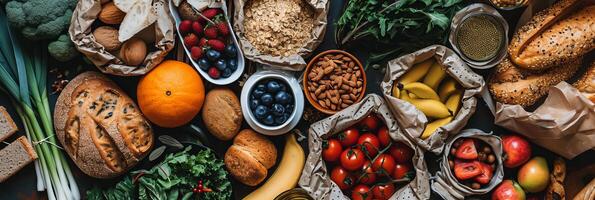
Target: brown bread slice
x=14 y=157
x=7 y=125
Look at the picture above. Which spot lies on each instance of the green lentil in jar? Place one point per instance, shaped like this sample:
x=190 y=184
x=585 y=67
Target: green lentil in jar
x=480 y=37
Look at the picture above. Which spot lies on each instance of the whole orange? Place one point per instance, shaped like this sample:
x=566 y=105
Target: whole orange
x=171 y=94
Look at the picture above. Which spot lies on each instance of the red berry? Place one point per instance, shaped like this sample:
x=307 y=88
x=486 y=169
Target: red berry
x=185 y=26
x=197 y=27
x=196 y=53
x=222 y=28
x=211 y=32
x=190 y=40
x=195 y=190
x=214 y=73
x=202 y=42
x=211 y=12
x=216 y=44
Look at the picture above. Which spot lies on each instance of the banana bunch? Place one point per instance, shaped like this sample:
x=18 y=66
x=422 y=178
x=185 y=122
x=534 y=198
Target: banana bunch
x=427 y=86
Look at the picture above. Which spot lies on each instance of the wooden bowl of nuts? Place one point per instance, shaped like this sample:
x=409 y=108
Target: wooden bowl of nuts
x=334 y=80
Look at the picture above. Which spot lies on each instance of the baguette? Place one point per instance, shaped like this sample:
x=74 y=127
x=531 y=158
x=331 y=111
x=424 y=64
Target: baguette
x=586 y=84
x=7 y=125
x=560 y=34
x=15 y=156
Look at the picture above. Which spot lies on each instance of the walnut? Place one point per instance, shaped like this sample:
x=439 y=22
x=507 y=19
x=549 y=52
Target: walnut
x=107 y=37
x=110 y=14
x=133 y=51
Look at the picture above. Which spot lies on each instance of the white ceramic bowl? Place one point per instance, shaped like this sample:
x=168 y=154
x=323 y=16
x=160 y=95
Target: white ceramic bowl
x=240 y=56
x=296 y=91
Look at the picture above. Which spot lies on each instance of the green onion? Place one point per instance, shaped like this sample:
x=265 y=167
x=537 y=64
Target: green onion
x=23 y=75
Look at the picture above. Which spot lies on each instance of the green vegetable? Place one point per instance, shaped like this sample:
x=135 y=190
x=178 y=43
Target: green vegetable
x=42 y=20
x=23 y=76
x=395 y=27
x=173 y=178
x=62 y=49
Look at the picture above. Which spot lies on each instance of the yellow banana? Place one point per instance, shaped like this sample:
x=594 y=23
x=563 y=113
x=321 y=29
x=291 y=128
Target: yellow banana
x=405 y=96
x=421 y=90
x=416 y=72
x=434 y=76
x=413 y=96
x=431 y=108
x=447 y=88
x=453 y=103
x=431 y=127
x=287 y=174
x=396 y=90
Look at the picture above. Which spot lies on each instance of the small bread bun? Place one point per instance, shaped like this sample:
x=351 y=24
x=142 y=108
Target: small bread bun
x=250 y=156
x=222 y=113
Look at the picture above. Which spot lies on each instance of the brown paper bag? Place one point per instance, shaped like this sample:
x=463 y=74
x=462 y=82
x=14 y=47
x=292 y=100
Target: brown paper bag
x=315 y=178
x=81 y=33
x=413 y=121
x=294 y=62
x=447 y=185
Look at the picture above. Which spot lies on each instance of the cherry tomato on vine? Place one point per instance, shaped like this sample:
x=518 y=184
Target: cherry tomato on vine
x=401 y=152
x=384 y=162
x=352 y=159
x=348 y=137
x=383 y=136
x=401 y=170
x=369 y=144
x=383 y=191
x=370 y=123
x=361 y=192
x=368 y=176
x=342 y=178
x=331 y=150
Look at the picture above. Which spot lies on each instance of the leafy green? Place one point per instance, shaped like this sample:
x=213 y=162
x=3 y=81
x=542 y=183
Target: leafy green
x=394 y=27
x=173 y=178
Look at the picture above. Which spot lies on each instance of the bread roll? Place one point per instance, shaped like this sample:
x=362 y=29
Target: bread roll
x=560 y=34
x=586 y=84
x=100 y=127
x=222 y=113
x=250 y=156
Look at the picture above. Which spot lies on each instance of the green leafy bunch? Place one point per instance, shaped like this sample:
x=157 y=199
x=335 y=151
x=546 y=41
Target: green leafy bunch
x=174 y=178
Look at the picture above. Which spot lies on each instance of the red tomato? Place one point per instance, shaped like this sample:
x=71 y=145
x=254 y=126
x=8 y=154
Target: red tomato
x=401 y=152
x=369 y=144
x=383 y=192
x=486 y=174
x=370 y=123
x=465 y=170
x=368 y=176
x=467 y=150
x=352 y=159
x=401 y=170
x=342 y=178
x=361 y=192
x=332 y=150
x=384 y=162
x=384 y=137
x=349 y=137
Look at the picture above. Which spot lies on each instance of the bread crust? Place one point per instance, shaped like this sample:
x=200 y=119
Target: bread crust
x=250 y=156
x=222 y=113
x=560 y=34
x=586 y=84
x=100 y=127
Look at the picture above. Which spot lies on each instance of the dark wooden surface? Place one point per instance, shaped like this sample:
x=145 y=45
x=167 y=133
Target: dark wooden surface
x=22 y=185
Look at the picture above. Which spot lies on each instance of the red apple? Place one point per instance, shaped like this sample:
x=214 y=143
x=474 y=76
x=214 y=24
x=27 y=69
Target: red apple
x=516 y=149
x=508 y=190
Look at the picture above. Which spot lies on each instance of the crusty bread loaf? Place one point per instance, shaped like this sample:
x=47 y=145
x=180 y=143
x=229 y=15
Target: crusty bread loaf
x=586 y=84
x=222 y=113
x=587 y=193
x=560 y=34
x=15 y=156
x=7 y=125
x=512 y=85
x=249 y=157
x=100 y=127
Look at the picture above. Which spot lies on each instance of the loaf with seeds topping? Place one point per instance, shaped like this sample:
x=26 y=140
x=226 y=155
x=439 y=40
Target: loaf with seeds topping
x=586 y=84
x=100 y=127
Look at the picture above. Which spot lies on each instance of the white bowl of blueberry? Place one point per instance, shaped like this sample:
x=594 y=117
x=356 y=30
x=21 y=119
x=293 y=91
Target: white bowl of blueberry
x=272 y=102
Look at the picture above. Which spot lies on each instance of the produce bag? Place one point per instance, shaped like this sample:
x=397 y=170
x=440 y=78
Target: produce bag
x=155 y=21
x=295 y=62
x=315 y=178
x=447 y=185
x=412 y=120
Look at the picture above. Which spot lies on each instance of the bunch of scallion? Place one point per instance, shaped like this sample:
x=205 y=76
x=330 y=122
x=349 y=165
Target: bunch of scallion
x=23 y=74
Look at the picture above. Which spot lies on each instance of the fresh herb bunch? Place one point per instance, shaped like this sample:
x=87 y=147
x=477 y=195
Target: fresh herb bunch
x=395 y=26
x=174 y=178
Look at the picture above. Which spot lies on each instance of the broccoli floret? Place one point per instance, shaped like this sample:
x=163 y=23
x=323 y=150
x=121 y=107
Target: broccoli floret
x=62 y=49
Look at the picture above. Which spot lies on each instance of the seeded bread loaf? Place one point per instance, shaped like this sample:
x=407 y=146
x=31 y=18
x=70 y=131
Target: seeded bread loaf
x=7 y=125
x=586 y=84
x=15 y=156
x=222 y=113
x=250 y=156
x=100 y=127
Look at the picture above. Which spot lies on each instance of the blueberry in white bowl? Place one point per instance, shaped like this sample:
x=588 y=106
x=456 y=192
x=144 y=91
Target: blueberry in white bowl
x=271 y=102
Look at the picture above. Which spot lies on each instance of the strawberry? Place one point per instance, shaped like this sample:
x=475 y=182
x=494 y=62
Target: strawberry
x=211 y=12
x=185 y=26
x=196 y=52
x=202 y=42
x=197 y=27
x=211 y=32
x=222 y=28
x=190 y=40
x=214 y=73
x=216 y=44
